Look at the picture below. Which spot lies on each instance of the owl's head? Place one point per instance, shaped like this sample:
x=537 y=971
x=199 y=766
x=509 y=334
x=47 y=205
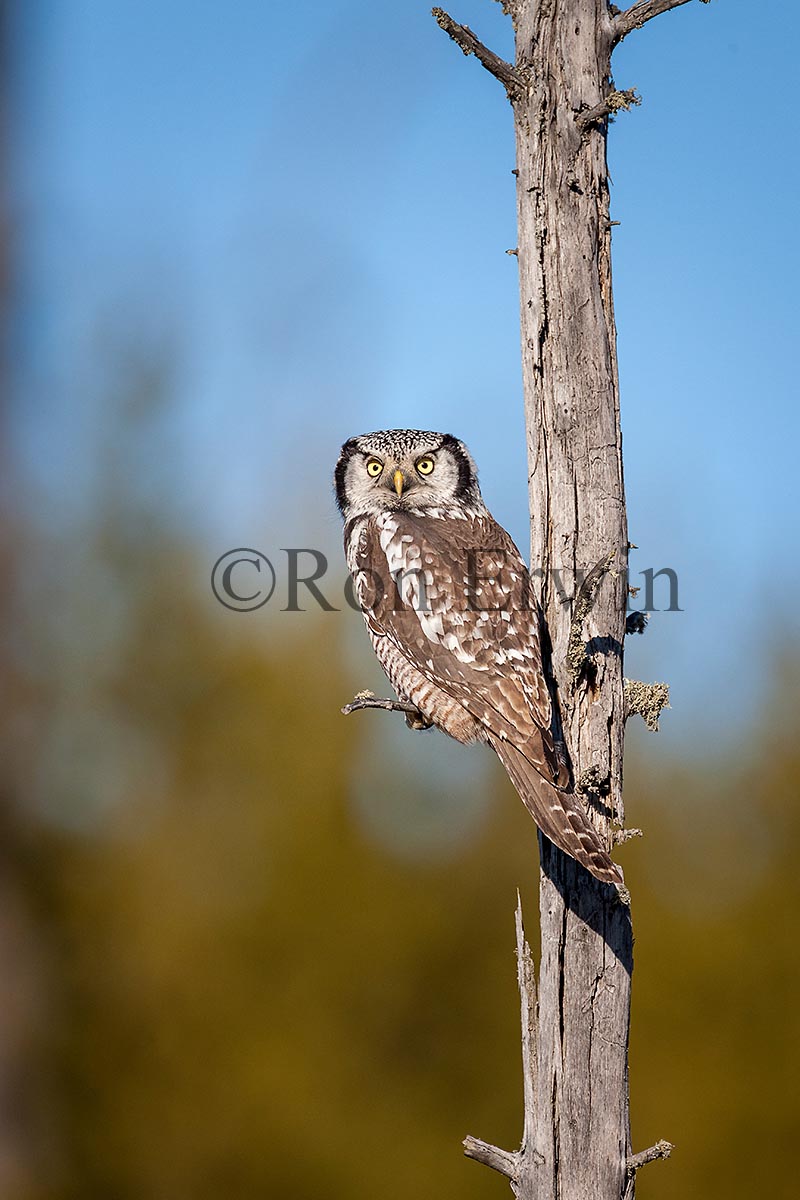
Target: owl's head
x=406 y=469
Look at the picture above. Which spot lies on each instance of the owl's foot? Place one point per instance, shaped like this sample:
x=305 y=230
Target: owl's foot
x=417 y=721
x=414 y=718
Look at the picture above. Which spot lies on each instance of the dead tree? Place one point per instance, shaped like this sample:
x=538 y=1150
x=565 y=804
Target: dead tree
x=576 y=1135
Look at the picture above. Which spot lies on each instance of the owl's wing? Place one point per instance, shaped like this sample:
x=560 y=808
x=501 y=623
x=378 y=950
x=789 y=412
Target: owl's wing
x=454 y=597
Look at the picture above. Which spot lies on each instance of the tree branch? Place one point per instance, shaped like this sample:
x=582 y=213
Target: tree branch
x=414 y=718
x=620 y=836
x=491 y=1156
x=504 y=1161
x=661 y=1149
x=614 y=102
x=641 y=12
x=512 y=80
x=526 y=979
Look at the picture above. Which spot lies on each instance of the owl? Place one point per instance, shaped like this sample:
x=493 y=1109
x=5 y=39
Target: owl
x=448 y=605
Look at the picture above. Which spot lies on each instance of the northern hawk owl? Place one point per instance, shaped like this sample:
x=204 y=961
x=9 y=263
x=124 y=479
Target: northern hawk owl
x=447 y=602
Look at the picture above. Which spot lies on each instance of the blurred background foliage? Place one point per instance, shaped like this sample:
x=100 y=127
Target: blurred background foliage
x=249 y=947
x=221 y=979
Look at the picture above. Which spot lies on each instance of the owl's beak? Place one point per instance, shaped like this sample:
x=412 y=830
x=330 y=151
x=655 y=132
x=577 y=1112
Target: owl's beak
x=398 y=479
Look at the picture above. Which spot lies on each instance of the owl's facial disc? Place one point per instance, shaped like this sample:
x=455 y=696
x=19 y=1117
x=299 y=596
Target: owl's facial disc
x=407 y=470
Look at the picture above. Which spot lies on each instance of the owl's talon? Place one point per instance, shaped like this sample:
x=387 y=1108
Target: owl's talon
x=418 y=721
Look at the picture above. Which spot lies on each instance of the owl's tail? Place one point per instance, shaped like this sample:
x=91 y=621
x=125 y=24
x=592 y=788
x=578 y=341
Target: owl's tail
x=559 y=815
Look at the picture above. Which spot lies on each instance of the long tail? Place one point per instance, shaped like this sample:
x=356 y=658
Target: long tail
x=559 y=815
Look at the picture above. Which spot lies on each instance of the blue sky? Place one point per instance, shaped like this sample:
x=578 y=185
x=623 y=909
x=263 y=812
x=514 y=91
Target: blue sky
x=305 y=208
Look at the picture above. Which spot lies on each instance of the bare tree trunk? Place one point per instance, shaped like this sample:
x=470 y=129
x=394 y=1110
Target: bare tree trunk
x=576 y=1138
x=579 y=1135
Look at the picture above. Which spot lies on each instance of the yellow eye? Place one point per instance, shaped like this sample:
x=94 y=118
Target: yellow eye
x=425 y=465
x=374 y=468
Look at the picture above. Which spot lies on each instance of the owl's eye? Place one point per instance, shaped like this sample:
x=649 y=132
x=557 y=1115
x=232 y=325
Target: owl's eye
x=425 y=465
x=374 y=468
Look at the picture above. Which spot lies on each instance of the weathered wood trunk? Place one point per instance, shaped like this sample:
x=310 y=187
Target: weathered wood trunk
x=577 y=1138
x=576 y=1135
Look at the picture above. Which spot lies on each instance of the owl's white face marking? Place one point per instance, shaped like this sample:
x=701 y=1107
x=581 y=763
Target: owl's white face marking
x=407 y=470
